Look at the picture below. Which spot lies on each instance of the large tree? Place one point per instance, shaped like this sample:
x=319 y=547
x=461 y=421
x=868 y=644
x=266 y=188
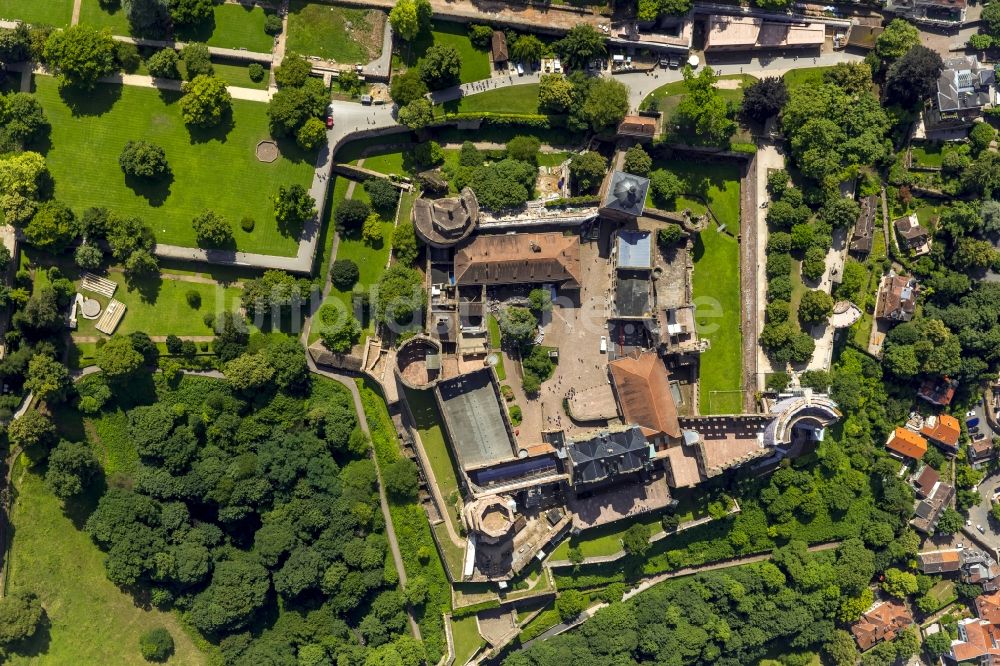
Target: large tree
x=408 y=86
x=81 y=55
x=22 y=120
x=399 y=298
x=606 y=104
x=147 y=18
x=898 y=37
x=47 y=379
x=197 y=60
x=702 y=112
x=764 y=98
x=20 y=616
x=440 y=66
x=555 y=93
x=71 y=467
x=417 y=114
x=118 y=358
x=410 y=17
x=293 y=206
x=143 y=159
x=913 y=78
x=212 y=229
x=190 y=12
x=587 y=170
x=581 y=44
x=206 y=100
x=290 y=108
x=53 y=227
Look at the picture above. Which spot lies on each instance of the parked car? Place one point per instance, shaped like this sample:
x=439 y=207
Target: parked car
x=664 y=62
x=969 y=414
x=980 y=528
x=604 y=344
x=329 y=121
x=973 y=422
x=979 y=436
x=520 y=69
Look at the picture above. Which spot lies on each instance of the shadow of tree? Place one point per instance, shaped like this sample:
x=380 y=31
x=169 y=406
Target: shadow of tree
x=94 y=102
x=154 y=190
x=218 y=132
x=39 y=642
x=148 y=287
x=201 y=32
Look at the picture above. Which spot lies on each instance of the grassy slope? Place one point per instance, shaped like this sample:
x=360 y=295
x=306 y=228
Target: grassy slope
x=671 y=93
x=517 y=99
x=51 y=12
x=412 y=529
x=91 y=13
x=232 y=27
x=83 y=159
x=92 y=621
x=320 y=30
x=467 y=639
x=238 y=75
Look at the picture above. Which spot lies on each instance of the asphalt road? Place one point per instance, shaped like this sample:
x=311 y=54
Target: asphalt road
x=980 y=514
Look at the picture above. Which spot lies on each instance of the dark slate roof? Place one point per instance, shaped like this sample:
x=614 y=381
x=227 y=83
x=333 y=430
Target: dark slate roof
x=963 y=85
x=607 y=454
x=632 y=295
x=627 y=193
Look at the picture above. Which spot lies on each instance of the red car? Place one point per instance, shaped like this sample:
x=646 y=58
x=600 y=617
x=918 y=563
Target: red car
x=329 y=122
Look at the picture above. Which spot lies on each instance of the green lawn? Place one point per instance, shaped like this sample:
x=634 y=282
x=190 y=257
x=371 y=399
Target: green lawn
x=928 y=155
x=716 y=277
x=716 y=290
x=475 y=63
x=670 y=95
x=113 y=18
x=238 y=75
x=465 y=632
x=516 y=99
x=232 y=27
x=91 y=621
x=428 y=422
x=215 y=169
x=52 y=12
x=343 y=34
x=805 y=75
x=494 y=328
x=371 y=259
x=943 y=592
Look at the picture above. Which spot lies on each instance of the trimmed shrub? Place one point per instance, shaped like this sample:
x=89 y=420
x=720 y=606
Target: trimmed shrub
x=256 y=72
x=193 y=298
x=247 y=224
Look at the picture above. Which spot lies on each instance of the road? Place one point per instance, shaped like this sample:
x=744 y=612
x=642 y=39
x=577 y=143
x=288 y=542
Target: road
x=980 y=513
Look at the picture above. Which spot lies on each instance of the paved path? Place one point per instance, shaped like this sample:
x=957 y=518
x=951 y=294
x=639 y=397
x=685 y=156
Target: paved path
x=655 y=580
x=768 y=157
x=390 y=530
x=279 y=43
x=76 y=12
x=230 y=54
x=154 y=338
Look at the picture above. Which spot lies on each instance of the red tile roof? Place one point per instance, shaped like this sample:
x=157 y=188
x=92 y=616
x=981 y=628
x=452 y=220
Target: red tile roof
x=882 y=622
x=907 y=443
x=643 y=389
x=943 y=429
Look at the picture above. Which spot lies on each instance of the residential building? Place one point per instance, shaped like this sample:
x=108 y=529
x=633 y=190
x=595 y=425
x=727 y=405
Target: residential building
x=928 y=510
x=923 y=482
x=746 y=33
x=932 y=12
x=978 y=642
x=988 y=607
x=863 y=35
x=519 y=259
x=907 y=443
x=939 y=391
x=861 y=237
x=980 y=452
x=897 y=298
x=882 y=622
x=944 y=430
x=978 y=568
x=964 y=89
x=912 y=236
x=642 y=128
x=940 y=561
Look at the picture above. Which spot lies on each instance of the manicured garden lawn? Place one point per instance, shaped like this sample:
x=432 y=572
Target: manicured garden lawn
x=90 y=620
x=397 y=162
x=928 y=155
x=494 y=328
x=798 y=290
x=465 y=632
x=216 y=169
x=805 y=75
x=716 y=290
x=475 y=63
x=371 y=259
x=943 y=592
x=232 y=27
x=670 y=94
x=343 y=34
x=57 y=13
x=91 y=13
x=239 y=75
x=716 y=278
x=515 y=99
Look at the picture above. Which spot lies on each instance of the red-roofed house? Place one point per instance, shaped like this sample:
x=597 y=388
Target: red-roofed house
x=882 y=623
x=938 y=391
x=978 y=640
x=988 y=607
x=907 y=443
x=943 y=430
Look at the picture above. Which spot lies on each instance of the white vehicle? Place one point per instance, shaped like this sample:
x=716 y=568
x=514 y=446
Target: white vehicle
x=968 y=522
x=520 y=69
x=980 y=528
x=960 y=546
x=604 y=344
x=556 y=66
x=969 y=414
